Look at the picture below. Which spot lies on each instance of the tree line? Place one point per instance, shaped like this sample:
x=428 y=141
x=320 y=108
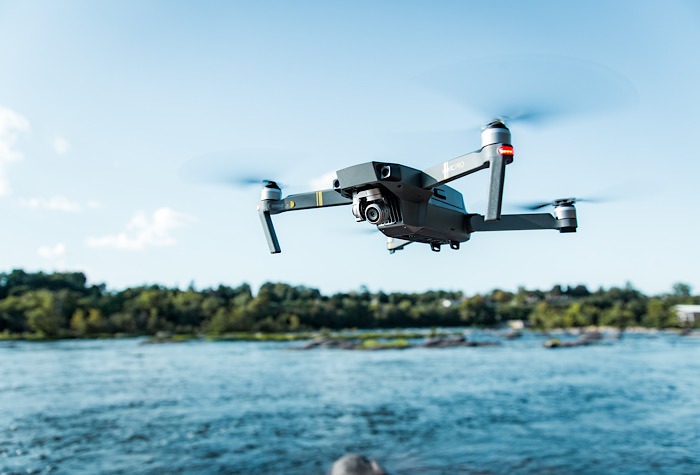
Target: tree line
x=64 y=305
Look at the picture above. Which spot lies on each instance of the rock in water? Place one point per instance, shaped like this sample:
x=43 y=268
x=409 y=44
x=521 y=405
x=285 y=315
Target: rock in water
x=353 y=464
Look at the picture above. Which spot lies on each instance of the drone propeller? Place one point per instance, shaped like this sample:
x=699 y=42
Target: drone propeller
x=560 y=202
x=250 y=181
x=232 y=168
x=531 y=89
x=528 y=91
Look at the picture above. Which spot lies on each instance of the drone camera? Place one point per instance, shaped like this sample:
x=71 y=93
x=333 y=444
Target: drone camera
x=371 y=206
x=377 y=213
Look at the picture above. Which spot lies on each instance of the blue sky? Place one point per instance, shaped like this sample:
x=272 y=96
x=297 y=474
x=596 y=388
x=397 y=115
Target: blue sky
x=104 y=104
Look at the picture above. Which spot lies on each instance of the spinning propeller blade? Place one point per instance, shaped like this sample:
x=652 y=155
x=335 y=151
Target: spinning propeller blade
x=532 y=89
x=248 y=180
x=561 y=201
x=238 y=169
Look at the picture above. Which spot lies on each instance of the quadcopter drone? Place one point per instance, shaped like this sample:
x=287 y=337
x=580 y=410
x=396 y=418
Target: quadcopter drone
x=409 y=205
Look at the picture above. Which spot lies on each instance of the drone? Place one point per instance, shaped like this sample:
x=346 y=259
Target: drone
x=409 y=205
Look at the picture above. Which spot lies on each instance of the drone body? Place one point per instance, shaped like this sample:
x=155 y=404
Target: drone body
x=409 y=205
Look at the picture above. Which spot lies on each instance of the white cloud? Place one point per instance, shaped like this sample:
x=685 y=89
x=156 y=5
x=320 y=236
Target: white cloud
x=53 y=253
x=60 y=145
x=11 y=125
x=55 y=203
x=323 y=182
x=144 y=231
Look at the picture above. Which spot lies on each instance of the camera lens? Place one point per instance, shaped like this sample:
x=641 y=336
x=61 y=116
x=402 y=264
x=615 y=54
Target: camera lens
x=372 y=214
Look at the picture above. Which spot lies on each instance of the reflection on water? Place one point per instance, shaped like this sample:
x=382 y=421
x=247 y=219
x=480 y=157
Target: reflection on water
x=630 y=406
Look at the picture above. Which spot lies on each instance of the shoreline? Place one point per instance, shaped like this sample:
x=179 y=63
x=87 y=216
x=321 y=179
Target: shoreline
x=349 y=334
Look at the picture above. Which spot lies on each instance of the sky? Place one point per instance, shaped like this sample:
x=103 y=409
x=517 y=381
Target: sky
x=118 y=120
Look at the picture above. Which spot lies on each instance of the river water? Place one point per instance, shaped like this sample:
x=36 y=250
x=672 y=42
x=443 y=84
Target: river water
x=119 y=406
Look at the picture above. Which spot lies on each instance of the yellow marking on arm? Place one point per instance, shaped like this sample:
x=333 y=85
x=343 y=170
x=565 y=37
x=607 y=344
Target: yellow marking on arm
x=319 y=198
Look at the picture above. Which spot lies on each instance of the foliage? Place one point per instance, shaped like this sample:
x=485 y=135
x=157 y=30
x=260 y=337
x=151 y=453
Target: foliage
x=370 y=344
x=65 y=305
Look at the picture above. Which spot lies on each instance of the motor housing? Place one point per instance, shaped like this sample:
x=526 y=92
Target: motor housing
x=565 y=213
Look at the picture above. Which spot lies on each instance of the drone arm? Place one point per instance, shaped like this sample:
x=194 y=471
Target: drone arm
x=497 y=163
x=311 y=200
x=272 y=203
x=494 y=156
x=269 y=229
x=456 y=168
x=522 y=222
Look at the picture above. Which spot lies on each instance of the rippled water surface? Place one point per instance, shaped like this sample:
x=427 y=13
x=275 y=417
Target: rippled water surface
x=119 y=406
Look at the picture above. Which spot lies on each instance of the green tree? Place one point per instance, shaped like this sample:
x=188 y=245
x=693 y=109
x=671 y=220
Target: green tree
x=12 y=314
x=78 y=322
x=658 y=315
x=477 y=311
x=63 y=304
x=220 y=323
x=95 y=321
x=619 y=315
x=545 y=317
x=42 y=315
x=574 y=317
x=681 y=289
x=187 y=309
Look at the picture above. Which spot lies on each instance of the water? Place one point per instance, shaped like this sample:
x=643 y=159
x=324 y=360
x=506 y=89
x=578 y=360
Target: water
x=257 y=408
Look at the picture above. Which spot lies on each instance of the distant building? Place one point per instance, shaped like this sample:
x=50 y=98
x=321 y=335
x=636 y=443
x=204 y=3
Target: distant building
x=687 y=314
